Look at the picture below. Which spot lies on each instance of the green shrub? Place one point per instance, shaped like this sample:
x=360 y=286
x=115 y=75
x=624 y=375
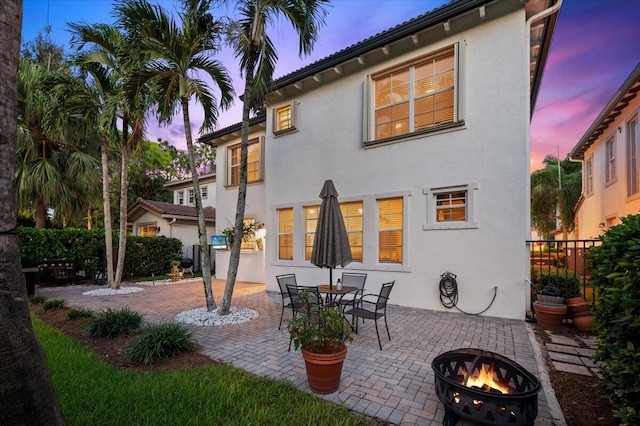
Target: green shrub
x=112 y=323
x=79 y=313
x=615 y=271
x=148 y=255
x=161 y=341
x=36 y=299
x=567 y=282
x=53 y=304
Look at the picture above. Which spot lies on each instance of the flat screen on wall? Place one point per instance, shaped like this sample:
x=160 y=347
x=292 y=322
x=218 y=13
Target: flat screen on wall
x=219 y=242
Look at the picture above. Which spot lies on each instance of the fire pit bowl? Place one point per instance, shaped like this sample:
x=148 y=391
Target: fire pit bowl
x=485 y=388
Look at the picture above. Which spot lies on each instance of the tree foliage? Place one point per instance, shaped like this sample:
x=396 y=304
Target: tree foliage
x=555 y=190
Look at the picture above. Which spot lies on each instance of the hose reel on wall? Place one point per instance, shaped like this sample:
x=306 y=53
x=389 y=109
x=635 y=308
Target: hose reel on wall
x=449 y=293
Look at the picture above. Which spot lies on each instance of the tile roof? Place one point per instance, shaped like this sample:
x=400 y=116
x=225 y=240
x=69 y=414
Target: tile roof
x=169 y=209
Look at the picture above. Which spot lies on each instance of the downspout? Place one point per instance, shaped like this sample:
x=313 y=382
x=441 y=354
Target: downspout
x=170 y=228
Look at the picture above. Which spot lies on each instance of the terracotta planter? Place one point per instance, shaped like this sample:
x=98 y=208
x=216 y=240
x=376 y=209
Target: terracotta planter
x=550 y=315
x=543 y=298
x=583 y=322
x=576 y=305
x=324 y=370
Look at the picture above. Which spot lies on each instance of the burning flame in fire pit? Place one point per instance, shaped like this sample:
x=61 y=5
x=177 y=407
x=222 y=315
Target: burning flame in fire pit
x=486 y=380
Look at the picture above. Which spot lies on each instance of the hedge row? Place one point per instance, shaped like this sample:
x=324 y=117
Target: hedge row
x=144 y=256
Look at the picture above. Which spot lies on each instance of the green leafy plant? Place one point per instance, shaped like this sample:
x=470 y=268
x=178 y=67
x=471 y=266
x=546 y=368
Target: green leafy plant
x=161 y=341
x=321 y=330
x=112 y=323
x=615 y=272
x=53 y=304
x=79 y=313
x=37 y=299
x=566 y=282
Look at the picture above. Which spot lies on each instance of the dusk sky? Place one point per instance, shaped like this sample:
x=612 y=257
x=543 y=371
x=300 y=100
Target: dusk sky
x=595 y=47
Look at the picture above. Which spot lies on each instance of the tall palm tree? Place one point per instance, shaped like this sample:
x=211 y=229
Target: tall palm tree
x=258 y=57
x=555 y=190
x=117 y=54
x=26 y=389
x=56 y=168
x=180 y=56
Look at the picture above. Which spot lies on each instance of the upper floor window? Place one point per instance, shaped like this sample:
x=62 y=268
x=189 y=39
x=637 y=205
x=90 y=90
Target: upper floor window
x=285 y=234
x=450 y=207
x=191 y=196
x=181 y=197
x=147 y=230
x=390 y=230
x=610 y=166
x=588 y=176
x=204 y=192
x=254 y=163
x=284 y=118
x=413 y=97
x=632 y=157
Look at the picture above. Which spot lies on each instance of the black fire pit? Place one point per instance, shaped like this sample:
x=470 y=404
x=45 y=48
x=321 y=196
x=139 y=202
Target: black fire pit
x=512 y=398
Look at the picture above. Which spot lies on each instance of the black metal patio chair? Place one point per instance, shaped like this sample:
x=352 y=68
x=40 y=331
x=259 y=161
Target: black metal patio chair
x=352 y=279
x=283 y=281
x=367 y=309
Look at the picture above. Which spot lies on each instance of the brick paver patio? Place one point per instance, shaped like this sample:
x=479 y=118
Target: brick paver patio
x=395 y=384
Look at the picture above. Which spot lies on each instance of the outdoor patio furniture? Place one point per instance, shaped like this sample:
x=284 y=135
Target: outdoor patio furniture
x=283 y=281
x=352 y=279
x=367 y=309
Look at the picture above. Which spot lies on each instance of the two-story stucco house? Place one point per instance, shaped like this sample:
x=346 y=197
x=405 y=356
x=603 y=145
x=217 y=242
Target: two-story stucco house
x=424 y=130
x=610 y=155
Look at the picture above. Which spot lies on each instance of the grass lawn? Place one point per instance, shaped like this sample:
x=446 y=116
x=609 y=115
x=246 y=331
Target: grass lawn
x=94 y=393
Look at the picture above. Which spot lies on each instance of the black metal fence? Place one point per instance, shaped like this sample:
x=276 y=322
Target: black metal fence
x=565 y=261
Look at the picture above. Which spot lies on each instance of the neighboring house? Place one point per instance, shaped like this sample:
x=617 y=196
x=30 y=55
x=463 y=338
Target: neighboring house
x=156 y=218
x=424 y=130
x=184 y=193
x=610 y=156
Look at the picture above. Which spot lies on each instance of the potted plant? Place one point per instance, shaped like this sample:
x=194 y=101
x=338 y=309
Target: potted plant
x=321 y=333
x=259 y=243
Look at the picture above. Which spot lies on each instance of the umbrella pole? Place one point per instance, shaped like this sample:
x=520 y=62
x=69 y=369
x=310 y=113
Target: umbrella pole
x=330 y=278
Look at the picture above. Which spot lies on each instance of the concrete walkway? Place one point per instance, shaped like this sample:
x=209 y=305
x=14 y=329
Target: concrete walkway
x=395 y=384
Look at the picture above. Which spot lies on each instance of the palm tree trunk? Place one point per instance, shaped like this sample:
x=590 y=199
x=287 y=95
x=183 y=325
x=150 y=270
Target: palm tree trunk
x=124 y=195
x=205 y=260
x=108 y=232
x=41 y=213
x=234 y=258
x=26 y=390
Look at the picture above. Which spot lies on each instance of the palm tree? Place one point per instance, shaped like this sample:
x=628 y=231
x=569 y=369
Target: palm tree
x=258 y=57
x=555 y=190
x=180 y=55
x=116 y=54
x=26 y=389
x=56 y=168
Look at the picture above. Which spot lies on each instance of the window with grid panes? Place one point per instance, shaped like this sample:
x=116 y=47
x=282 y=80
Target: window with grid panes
x=253 y=163
x=283 y=119
x=451 y=206
x=415 y=97
x=390 y=230
x=204 y=192
x=633 y=177
x=285 y=234
x=610 y=166
x=147 y=230
x=181 y=197
x=588 y=175
x=310 y=222
x=352 y=216
x=191 y=196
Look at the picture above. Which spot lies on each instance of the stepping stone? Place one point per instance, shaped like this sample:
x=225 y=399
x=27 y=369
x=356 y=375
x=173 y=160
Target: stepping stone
x=589 y=341
x=572 y=368
x=570 y=359
x=562 y=349
x=587 y=361
x=586 y=352
x=564 y=340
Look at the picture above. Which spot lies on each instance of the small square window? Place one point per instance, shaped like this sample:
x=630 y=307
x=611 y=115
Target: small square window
x=450 y=207
x=284 y=119
x=204 y=191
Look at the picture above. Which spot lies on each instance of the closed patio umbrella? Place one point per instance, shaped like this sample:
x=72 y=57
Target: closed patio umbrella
x=331 y=242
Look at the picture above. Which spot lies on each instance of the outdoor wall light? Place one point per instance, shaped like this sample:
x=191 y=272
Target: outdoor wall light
x=601 y=225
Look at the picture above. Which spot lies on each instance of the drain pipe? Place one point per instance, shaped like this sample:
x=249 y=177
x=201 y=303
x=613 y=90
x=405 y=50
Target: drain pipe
x=170 y=228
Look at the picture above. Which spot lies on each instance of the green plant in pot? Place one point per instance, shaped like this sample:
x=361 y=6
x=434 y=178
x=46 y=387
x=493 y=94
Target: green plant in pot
x=321 y=333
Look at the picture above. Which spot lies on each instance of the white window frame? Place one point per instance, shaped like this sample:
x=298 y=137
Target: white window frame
x=153 y=225
x=432 y=217
x=588 y=175
x=204 y=192
x=191 y=196
x=180 y=197
x=633 y=157
x=369 y=121
x=260 y=142
x=610 y=160
x=276 y=128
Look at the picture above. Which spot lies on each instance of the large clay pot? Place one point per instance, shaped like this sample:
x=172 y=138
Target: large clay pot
x=550 y=315
x=324 y=370
x=583 y=322
x=545 y=298
x=576 y=305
